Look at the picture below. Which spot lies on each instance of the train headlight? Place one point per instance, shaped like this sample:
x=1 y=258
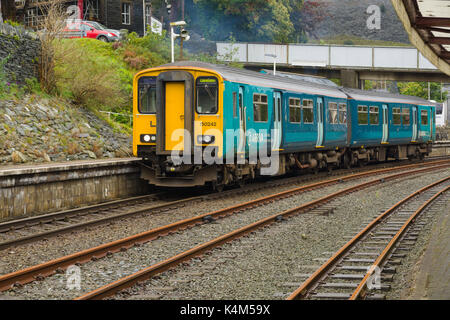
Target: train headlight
x=205 y=139
x=148 y=138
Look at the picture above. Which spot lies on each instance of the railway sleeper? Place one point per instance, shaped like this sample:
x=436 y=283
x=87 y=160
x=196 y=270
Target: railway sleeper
x=346 y=285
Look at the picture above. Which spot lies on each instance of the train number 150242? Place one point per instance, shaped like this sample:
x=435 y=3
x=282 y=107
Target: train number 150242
x=208 y=124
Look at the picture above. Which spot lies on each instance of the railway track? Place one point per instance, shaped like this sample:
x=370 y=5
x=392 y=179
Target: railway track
x=17 y=232
x=127 y=282
x=58 y=265
x=363 y=266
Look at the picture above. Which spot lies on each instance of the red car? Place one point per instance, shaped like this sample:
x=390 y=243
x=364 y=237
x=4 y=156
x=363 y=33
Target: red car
x=90 y=29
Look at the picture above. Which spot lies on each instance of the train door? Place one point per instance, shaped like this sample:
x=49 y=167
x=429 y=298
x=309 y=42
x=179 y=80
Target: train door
x=276 y=134
x=414 y=124
x=242 y=122
x=432 y=117
x=319 y=122
x=174 y=98
x=385 y=137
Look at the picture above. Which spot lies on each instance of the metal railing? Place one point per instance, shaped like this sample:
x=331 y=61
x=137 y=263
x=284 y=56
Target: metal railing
x=130 y=116
x=326 y=56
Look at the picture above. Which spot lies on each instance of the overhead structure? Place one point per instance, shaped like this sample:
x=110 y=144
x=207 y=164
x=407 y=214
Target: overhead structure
x=427 y=23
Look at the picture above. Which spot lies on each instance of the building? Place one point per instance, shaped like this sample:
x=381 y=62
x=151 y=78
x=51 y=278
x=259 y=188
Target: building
x=133 y=15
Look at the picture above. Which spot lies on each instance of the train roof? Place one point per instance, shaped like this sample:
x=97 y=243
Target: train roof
x=378 y=96
x=263 y=79
x=299 y=85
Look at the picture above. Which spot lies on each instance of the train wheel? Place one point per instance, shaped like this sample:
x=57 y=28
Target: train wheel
x=241 y=183
x=329 y=170
x=217 y=187
x=347 y=161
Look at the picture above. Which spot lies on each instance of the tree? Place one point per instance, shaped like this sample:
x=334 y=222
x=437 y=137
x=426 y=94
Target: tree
x=307 y=17
x=279 y=21
x=420 y=89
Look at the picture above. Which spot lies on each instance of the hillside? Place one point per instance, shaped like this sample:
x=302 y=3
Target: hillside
x=349 y=17
x=36 y=129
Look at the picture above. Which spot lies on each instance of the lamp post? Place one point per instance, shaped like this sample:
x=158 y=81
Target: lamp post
x=184 y=36
x=274 y=56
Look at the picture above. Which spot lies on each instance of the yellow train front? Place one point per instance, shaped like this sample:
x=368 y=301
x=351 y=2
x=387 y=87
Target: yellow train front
x=177 y=114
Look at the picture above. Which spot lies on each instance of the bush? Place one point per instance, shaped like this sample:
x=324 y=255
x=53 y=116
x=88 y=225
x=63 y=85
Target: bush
x=145 y=52
x=90 y=73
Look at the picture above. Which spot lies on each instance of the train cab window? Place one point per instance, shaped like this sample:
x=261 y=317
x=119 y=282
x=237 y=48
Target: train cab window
x=396 y=116
x=374 y=116
x=147 y=95
x=342 y=113
x=424 y=117
x=295 y=115
x=260 y=108
x=207 y=95
x=406 y=116
x=308 y=111
x=363 y=115
x=333 y=112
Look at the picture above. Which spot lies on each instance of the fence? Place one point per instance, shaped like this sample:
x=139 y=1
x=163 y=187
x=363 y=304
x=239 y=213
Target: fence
x=130 y=116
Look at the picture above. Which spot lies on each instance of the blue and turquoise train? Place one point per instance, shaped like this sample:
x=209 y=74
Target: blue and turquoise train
x=187 y=113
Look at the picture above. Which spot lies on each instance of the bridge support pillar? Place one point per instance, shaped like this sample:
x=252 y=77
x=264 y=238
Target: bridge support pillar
x=350 y=79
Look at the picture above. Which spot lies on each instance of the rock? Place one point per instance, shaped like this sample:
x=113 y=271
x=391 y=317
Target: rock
x=18 y=157
x=46 y=157
x=90 y=154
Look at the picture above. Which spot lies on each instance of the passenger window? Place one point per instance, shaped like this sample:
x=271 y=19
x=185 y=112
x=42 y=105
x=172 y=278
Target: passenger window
x=374 y=115
x=147 y=95
x=308 y=111
x=260 y=108
x=333 y=112
x=396 y=116
x=424 y=117
x=342 y=113
x=362 y=115
x=295 y=110
x=207 y=88
x=405 y=116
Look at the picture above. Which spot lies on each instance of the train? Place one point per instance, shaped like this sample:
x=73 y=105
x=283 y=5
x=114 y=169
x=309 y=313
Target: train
x=197 y=124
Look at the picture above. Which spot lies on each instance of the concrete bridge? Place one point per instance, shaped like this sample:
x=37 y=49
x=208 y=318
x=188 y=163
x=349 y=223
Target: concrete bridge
x=351 y=64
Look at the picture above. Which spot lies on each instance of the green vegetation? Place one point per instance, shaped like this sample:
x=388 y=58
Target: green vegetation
x=356 y=41
x=99 y=76
x=420 y=89
x=279 y=21
x=10 y=89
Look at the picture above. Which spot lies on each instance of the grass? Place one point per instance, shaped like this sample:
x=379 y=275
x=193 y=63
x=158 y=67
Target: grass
x=352 y=40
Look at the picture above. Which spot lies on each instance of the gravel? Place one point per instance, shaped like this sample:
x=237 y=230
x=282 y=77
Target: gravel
x=266 y=260
x=13 y=259
x=257 y=269
x=404 y=286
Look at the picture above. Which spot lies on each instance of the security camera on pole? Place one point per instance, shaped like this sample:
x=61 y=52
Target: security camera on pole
x=184 y=36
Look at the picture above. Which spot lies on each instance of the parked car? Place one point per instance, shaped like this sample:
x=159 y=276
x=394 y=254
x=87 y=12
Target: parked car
x=90 y=29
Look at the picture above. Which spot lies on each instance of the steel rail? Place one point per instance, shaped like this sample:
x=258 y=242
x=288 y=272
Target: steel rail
x=73 y=213
x=96 y=222
x=112 y=288
x=361 y=289
x=48 y=268
x=311 y=282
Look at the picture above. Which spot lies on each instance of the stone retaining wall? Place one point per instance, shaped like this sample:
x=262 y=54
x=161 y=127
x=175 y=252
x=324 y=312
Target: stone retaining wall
x=19 y=52
x=39 y=189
